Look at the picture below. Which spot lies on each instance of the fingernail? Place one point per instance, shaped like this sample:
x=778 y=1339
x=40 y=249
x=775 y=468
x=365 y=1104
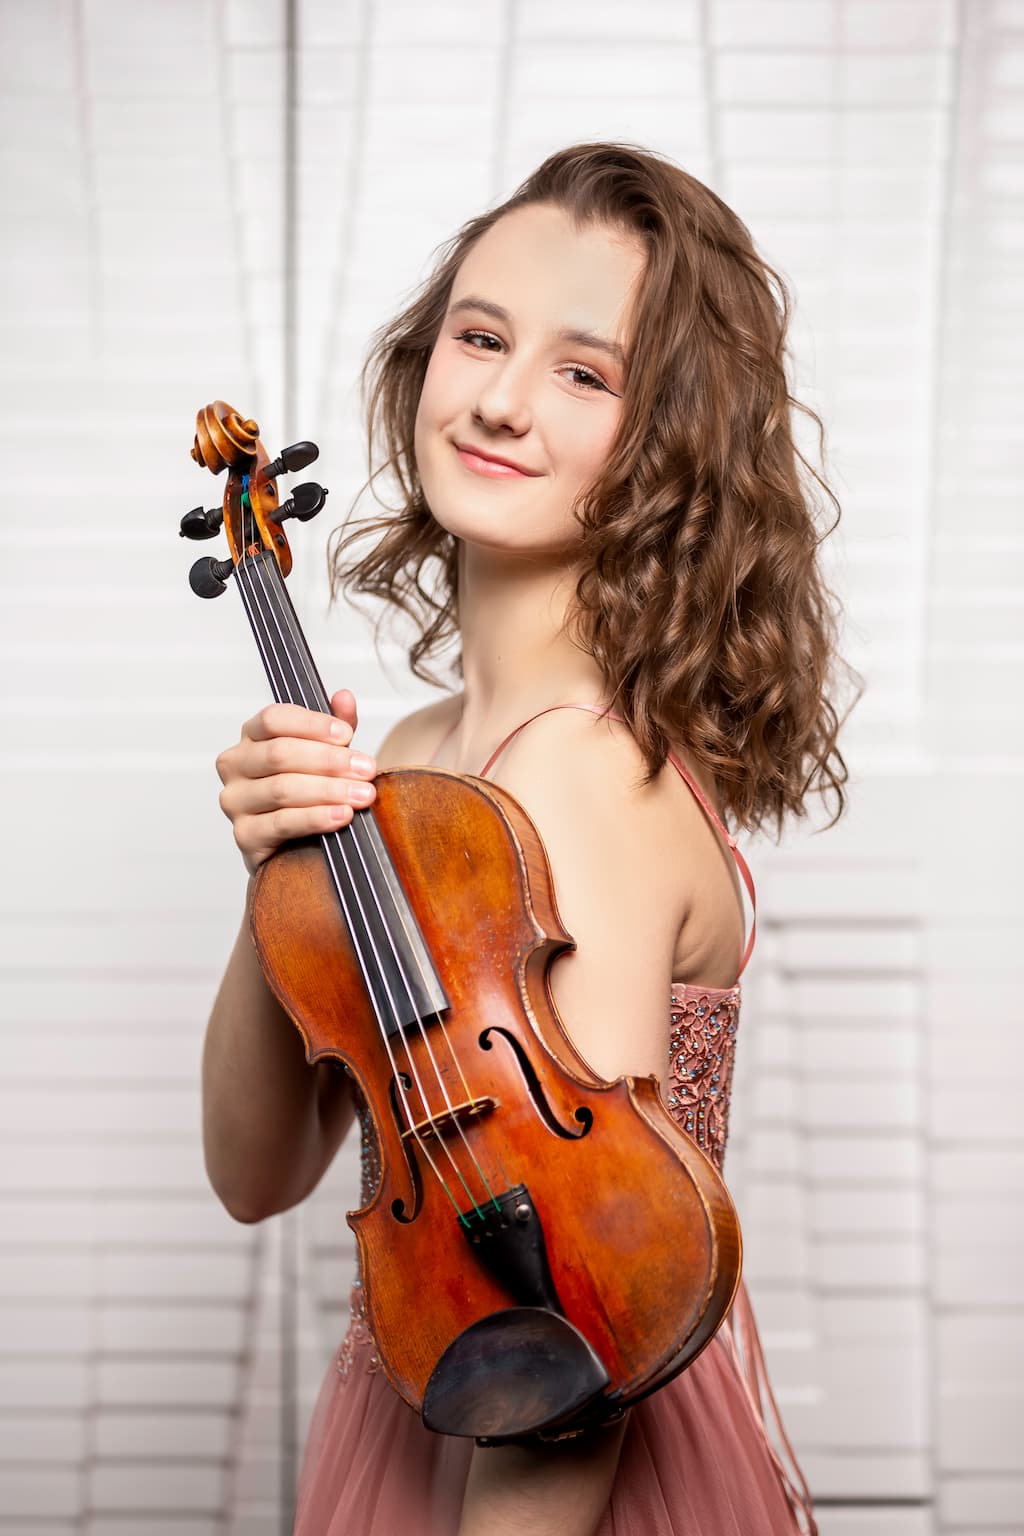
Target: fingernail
x=360 y=763
x=340 y=731
x=360 y=794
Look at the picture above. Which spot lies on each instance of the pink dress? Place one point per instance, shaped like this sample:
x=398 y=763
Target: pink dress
x=698 y=1457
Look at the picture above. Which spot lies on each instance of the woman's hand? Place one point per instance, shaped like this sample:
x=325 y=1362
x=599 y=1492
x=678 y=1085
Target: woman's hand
x=292 y=773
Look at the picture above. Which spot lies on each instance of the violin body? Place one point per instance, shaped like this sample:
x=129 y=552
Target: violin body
x=641 y=1238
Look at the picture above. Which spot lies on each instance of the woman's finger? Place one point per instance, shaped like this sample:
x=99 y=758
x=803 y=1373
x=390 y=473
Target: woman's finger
x=343 y=707
x=257 y=837
x=287 y=754
x=292 y=791
x=275 y=720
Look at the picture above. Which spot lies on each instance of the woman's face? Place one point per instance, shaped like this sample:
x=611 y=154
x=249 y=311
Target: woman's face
x=528 y=367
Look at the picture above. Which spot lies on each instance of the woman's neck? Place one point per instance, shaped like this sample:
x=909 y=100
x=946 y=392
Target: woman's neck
x=516 y=655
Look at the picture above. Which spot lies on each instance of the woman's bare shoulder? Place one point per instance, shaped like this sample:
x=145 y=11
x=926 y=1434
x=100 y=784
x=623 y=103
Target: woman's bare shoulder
x=657 y=856
x=414 y=739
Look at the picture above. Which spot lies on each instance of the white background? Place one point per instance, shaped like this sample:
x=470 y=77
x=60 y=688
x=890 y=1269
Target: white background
x=221 y=198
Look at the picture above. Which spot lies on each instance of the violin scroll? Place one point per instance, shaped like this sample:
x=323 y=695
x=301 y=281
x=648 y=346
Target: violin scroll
x=251 y=516
x=223 y=440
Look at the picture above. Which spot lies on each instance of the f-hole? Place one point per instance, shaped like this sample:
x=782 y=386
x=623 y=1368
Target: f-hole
x=398 y=1206
x=582 y=1115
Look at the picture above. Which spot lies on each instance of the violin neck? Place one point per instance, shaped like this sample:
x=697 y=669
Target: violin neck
x=286 y=656
x=400 y=976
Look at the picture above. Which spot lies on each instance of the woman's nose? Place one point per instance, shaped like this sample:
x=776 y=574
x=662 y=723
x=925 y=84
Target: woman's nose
x=504 y=399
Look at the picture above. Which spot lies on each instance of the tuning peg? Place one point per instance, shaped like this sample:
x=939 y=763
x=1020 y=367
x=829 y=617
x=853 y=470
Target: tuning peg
x=290 y=460
x=304 y=502
x=200 y=524
x=207 y=576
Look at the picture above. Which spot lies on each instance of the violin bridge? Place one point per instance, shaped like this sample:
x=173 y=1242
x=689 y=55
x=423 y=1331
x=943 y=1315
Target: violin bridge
x=449 y=1121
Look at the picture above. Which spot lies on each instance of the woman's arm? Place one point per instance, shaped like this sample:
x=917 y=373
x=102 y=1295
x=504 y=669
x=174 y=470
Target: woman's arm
x=557 y=1489
x=271 y=1123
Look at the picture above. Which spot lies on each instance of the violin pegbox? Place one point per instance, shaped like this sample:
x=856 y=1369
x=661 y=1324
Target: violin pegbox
x=251 y=514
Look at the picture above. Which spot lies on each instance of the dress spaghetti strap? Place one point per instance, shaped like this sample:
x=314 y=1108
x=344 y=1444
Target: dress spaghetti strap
x=702 y=799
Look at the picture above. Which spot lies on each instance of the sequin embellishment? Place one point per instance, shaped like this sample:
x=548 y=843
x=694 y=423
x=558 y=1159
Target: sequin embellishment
x=358 y=1339
x=702 y=1050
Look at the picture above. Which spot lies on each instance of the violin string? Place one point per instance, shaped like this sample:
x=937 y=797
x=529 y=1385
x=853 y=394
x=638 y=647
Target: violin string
x=314 y=689
x=437 y=1017
x=256 y=566
x=268 y=660
x=424 y=1034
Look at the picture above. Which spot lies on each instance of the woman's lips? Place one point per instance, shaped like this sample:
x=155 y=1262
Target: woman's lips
x=489 y=467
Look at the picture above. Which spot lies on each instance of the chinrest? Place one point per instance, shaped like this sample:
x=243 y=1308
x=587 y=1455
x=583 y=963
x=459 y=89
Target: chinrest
x=515 y=1371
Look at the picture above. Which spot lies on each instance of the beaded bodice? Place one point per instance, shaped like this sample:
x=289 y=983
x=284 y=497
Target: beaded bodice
x=702 y=1050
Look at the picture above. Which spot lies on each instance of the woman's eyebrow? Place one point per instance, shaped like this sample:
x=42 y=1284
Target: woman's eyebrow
x=578 y=338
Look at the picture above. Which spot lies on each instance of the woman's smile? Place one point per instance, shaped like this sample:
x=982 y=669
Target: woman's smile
x=495 y=468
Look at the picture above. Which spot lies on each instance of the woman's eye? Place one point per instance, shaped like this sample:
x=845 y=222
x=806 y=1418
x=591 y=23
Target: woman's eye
x=585 y=378
x=475 y=336
x=579 y=377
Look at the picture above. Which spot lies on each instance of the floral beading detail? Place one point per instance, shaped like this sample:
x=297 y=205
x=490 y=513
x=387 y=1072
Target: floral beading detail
x=358 y=1337
x=702 y=1051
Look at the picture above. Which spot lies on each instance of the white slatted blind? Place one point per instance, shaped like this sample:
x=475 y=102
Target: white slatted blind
x=157 y=1361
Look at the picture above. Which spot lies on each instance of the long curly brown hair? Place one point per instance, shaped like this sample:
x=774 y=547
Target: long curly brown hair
x=699 y=591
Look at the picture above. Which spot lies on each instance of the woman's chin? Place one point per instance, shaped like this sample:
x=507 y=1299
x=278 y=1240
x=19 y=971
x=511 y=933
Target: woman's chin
x=487 y=526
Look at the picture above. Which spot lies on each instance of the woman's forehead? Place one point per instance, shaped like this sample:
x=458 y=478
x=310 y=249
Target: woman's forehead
x=541 y=268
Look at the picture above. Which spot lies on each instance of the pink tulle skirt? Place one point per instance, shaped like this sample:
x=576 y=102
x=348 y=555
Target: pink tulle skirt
x=697 y=1458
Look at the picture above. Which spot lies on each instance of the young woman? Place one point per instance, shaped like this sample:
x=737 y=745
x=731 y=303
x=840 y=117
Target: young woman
x=586 y=416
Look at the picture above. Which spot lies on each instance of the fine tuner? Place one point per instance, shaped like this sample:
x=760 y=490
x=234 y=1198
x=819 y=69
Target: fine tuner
x=254 y=516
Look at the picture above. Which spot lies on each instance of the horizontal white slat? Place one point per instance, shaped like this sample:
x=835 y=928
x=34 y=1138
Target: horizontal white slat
x=41 y=1437
x=986 y=1502
x=966 y=1169
x=844 y=1212
x=147 y=1220
x=194 y=1433
x=209 y=1382
x=842 y=1475
x=885 y=1315
x=140 y=1524
x=895 y=1263
x=157 y=1486
x=140 y=1009
x=876 y=1520
x=873 y=1159
x=31 y=1493
x=999 y=1257
x=81 y=1165
x=118 y=1112
x=131 y=1276
x=44 y=1384
x=971 y=1437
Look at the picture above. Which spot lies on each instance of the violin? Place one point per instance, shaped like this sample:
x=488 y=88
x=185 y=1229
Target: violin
x=542 y=1248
